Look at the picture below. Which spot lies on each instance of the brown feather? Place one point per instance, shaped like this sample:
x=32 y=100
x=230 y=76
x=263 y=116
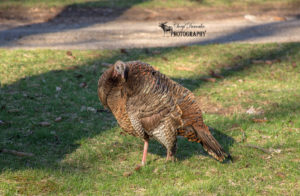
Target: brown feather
x=149 y=104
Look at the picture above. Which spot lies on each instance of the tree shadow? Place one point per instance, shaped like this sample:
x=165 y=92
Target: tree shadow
x=71 y=17
x=83 y=15
x=38 y=99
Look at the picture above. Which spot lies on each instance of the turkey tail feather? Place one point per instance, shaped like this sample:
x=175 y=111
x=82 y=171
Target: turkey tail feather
x=210 y=144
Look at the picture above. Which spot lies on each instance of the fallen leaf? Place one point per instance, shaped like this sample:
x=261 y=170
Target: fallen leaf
x=184 y=69
x=280 y=174
x=275 y=150
x=72 y=67
x=279 y=18
x=235 y=67
x=252 y=110
x=257 y=120
x=277 y=61
x=258 y=61
x=127 y=174
x=58 y=88
x=215 y=75
x=269 y=62
x=83 y=84
x=70 y=55
x=184 y=47
x=294 y=64
x=252 y=18
x=266 y=137
x=44 y=124
x=91 y=109
x=137 y=168
x=58 y=119
x=208 y=79
x=238 y=57
x=155 y=170
x=165 y=58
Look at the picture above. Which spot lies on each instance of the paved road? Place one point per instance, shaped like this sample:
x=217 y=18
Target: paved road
x=126 y=34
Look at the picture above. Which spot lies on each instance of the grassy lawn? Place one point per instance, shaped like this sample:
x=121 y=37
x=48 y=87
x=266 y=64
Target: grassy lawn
x=140 y=3
x=49 y=107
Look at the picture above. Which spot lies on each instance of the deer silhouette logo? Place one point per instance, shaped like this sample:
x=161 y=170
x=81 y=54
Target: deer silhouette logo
x=165 y=27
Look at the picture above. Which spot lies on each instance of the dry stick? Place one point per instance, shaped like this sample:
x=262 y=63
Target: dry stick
x=243 y=136
x=257 y=147
x=243 y=132
x=14 y=152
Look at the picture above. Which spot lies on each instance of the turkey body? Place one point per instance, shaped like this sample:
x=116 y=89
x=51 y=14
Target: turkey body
x=147 y=104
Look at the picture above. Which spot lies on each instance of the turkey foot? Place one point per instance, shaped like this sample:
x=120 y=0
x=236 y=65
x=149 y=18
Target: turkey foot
x=146 y=144
x=170 y=157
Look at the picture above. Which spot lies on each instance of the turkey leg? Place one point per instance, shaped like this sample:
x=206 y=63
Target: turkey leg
x=170 y=156
x=146 y=144
x=171 y=152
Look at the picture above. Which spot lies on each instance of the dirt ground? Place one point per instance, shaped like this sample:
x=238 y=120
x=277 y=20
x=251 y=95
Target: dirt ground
x=105 y=28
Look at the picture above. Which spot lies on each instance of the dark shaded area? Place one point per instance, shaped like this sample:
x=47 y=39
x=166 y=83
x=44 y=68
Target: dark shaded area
x=71 y=17
x=56 y=146
x=186 y=149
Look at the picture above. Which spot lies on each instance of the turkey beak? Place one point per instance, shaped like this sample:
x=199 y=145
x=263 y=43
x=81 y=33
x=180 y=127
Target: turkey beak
x=123 y=75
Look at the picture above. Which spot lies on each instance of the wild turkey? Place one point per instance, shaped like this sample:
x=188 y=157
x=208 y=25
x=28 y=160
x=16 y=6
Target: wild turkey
x=147 y=104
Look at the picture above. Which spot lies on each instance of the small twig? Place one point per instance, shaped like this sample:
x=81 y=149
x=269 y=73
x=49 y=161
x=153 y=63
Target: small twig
x=243 y=133
x=257 y=147
x=243 y=136
x=17 y=153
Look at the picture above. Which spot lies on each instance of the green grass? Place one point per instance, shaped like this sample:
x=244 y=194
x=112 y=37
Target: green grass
x=138 y=3
x=85 y=154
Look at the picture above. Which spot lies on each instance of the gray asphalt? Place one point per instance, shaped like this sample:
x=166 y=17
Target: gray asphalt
x=126 y=34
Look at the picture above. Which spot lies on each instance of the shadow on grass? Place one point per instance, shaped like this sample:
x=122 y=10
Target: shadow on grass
x=186 y=149
x=37 y=99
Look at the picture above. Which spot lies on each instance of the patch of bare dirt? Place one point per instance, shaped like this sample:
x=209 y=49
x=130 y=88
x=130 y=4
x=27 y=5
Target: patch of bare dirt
x=77 y=14
x=32 y=15
x=210 y=107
